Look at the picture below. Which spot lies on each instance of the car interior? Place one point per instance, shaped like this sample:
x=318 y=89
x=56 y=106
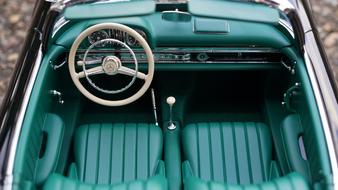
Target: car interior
x=201 y=95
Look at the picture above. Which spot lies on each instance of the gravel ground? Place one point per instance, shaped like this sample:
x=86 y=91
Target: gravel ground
x=15 y=18
x=326 y=15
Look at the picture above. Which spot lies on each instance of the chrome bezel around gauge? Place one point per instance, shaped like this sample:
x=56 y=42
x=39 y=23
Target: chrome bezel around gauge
x=93 y=39
x=131 y=41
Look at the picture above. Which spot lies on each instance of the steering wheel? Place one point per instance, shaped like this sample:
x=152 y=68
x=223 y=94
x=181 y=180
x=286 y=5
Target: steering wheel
x=111 y=65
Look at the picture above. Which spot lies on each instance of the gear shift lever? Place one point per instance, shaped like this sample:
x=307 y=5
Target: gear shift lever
x=171 y=101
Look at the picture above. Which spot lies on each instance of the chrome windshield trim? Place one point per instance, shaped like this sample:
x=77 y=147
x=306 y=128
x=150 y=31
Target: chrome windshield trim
x=61 y=22
x=323 y=117
x=110 y=1
x=59 y=5
x=18 y=125
x=285 y=24
x=282 y=5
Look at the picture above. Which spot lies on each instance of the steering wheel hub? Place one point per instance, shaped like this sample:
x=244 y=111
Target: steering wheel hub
x=111 y=65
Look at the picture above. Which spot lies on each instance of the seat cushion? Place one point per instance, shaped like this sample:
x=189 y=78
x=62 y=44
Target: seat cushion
x=114 y=153
x=58 y=182
x=228 y=152
x=288 y=182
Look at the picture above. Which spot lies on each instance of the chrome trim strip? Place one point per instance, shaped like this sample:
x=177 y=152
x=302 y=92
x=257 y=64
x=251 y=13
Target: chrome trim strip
x=58 y=25
x=110 y=1
x=197 y=50
x=282 y=5
x=324 y=118
x=287 y=26
x=18 y=126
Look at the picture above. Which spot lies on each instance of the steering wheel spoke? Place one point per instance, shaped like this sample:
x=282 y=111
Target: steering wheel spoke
x=89 y=62
x=90 y=72
x=130 y=72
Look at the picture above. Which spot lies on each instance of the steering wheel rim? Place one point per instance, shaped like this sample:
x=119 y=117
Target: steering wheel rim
x=75 y=76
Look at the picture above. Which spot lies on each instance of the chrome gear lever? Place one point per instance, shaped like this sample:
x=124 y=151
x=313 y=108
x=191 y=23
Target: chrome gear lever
x=171 y=101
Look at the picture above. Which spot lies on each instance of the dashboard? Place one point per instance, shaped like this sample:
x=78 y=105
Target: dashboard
x=101 y=44
x=178 y=44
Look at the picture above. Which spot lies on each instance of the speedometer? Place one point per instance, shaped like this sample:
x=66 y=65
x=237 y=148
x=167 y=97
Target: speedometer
x=131 y=41
x=97 y=36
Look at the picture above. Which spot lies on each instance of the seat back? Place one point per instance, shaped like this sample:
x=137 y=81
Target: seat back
x=234 y=153
x=115 y=153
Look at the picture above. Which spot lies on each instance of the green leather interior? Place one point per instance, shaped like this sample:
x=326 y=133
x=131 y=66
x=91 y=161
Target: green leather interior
x=59 y=182
x=115 y=156
x=232 y=155
x=115 y=153
x=43 y=113
x=229 y=152
x=291 y=130
x=242 y=33
x=54 y=131
x=203 y=26
x=234 y=10
x=172 y=157
x=289 y=182
x=115 y=148
x=313 y=135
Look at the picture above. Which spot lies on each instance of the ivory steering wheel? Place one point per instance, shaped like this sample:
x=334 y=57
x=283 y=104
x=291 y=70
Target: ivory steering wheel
x=111 y=65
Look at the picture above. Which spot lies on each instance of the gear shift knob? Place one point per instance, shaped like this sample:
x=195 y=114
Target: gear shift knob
x=171 y=101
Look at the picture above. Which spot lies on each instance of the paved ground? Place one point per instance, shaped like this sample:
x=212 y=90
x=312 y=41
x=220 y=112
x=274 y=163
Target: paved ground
x=15 y=18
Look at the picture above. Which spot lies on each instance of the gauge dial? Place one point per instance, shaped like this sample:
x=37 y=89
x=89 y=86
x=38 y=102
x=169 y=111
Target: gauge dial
x=118 y=35
x=131 y=41
x=97 y=36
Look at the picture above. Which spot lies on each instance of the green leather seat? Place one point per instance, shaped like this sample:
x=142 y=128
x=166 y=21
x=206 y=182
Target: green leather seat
x=62 y=183
x=232 y=155
x=124 y=155
x=289 y=182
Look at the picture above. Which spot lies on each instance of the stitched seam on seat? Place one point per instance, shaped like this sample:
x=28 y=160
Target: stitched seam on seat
x=291 y=182
x=136 y=156
x=259 y=186
x=223 y=152
x=111 y=154
x=85 y=159
x=210 y=153
x=198 y=151
x=248 y=151
x=235 y=152
x=148 y=151
x=209 y=185
x=260 y=153
x=275 y=184
x=123 y=150
x=98 y=155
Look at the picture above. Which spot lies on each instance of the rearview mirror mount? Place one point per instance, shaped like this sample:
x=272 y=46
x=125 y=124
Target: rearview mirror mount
x=176 y=16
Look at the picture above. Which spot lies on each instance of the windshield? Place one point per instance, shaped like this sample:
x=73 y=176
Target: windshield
x=281 y=4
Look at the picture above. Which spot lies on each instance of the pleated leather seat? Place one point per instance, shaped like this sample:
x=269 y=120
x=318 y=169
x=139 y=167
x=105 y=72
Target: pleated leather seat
x=109 y=155
x=234 y=155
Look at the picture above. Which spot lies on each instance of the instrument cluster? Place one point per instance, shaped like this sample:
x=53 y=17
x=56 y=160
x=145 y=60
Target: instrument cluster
x=115 y=34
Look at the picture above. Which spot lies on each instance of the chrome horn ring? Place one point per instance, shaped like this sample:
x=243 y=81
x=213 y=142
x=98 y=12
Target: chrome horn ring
x=111 y=65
